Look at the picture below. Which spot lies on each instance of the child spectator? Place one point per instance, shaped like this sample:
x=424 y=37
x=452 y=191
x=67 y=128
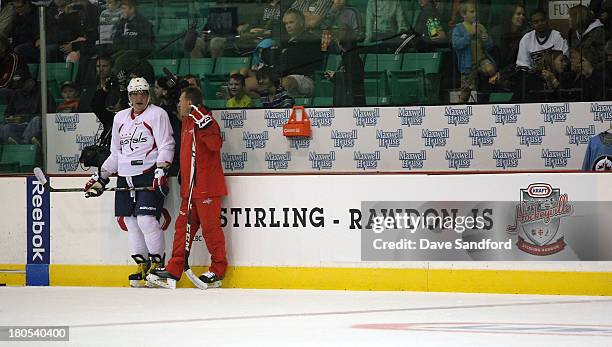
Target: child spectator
x=273 y=95
x=471 y=44
x=71 y=98
x=239 y=99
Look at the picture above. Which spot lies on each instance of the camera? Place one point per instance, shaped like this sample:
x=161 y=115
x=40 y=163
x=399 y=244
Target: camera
x=173 y=85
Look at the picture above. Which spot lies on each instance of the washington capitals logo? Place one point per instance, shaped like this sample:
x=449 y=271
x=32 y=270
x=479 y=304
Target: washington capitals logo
x=537 y=219
x=66 y=122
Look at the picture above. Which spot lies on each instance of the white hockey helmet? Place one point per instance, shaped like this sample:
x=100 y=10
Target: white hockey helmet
x=138 y=84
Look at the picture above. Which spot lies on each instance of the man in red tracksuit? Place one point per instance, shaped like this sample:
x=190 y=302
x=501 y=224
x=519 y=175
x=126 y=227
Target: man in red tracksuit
x=208 y=188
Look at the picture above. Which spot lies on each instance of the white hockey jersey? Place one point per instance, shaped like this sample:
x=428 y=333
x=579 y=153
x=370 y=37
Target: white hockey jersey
x=139 y=142
x=530 y=48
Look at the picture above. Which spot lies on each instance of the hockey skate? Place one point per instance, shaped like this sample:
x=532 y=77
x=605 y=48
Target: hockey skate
x=160 y=277
x=211 y=279
x=157 y=262
x=137 y=279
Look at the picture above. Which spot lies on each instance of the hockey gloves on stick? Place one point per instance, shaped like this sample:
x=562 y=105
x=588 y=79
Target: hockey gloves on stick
x=201 y=120
x=95 y=186
x=160 y=182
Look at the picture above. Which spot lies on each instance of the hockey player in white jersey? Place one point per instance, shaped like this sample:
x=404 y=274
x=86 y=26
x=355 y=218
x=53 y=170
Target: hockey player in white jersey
x=142 y=148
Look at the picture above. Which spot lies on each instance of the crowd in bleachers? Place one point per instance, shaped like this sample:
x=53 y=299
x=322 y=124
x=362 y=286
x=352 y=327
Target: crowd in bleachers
x=278 y=53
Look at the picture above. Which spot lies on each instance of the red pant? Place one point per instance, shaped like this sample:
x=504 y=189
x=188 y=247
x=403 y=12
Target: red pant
x=206 y=212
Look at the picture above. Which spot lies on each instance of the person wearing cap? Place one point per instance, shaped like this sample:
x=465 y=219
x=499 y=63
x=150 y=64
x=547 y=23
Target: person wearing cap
x=142 y=148
x=70 y=94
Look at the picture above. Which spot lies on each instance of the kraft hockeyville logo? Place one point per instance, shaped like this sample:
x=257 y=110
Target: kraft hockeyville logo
x=67 y=122
x=555 y=113
x=85 y=140
x=344 y=139
x=255 y=140
x=233 y=119
x=388 y=139
x=68 y=163
x=506 y=114
x=413 y=160
x=278 y=161
x=435 y=138
x=366 y=161
x=411 y=116
x=579 y=136
x=366 y=118
x=554 y=159
x=601 y=112
x=483 y=137
x=538 y=217
x=528 y=136
x=234 y=162
x=322 y=161
x=321 y=117
x=458 y=115
x=276 y=119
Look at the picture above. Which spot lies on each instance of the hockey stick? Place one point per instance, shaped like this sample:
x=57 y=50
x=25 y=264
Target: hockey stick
x=186 y=269
x=40 y=176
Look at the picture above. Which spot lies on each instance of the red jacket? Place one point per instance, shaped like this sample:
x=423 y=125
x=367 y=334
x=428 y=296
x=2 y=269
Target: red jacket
x=209 y=179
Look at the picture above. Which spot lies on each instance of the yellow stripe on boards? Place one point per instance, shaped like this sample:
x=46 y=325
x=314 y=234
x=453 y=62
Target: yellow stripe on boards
x=434 y=280
x=10 y=278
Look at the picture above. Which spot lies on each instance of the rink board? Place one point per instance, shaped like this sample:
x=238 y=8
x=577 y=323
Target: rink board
x=86 y=246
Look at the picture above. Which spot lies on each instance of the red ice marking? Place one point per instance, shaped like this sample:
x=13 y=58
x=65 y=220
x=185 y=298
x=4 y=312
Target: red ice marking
x=497 y=328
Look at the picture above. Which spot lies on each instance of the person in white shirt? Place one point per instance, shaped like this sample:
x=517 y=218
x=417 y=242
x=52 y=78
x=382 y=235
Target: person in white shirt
x=142 y=148
x=538 y=41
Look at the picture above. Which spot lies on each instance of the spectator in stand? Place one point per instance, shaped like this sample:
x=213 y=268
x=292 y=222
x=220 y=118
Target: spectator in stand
x=429 y=25
x=587 y=33
x=507 y=36
x=313 y=10
x=89 y=17
x=25 y=27
x=301 y=55
x=384 y=18
x=22 y=120
x=536 y=42
x=10 y=64
x=70 y=94
x=471 y=44
x=273 y=95
x=348 y=78
x=107 y=99
x=591 y=80
x=108 y=18
x=133 y=40
x=193 y=81
x=7 y=17
x=64 y=29
x=340 y=15
x=239 y=99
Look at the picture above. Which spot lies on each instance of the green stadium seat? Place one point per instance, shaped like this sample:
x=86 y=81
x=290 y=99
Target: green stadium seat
x=170 y=28
x=300 y=101
x=322 y=101
x=158 y=65
x=59 y=72
x=34 y=70
x=211 y=84
x=26 y=155
x=196 y=66
x=383 y=62
x=2 y=110
x=500 y=97
x=408 y=87
x=215 y=103
x=332 y=62
x=323 y=86
x=376 y=87
x=429 y=62
x=225 y=65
